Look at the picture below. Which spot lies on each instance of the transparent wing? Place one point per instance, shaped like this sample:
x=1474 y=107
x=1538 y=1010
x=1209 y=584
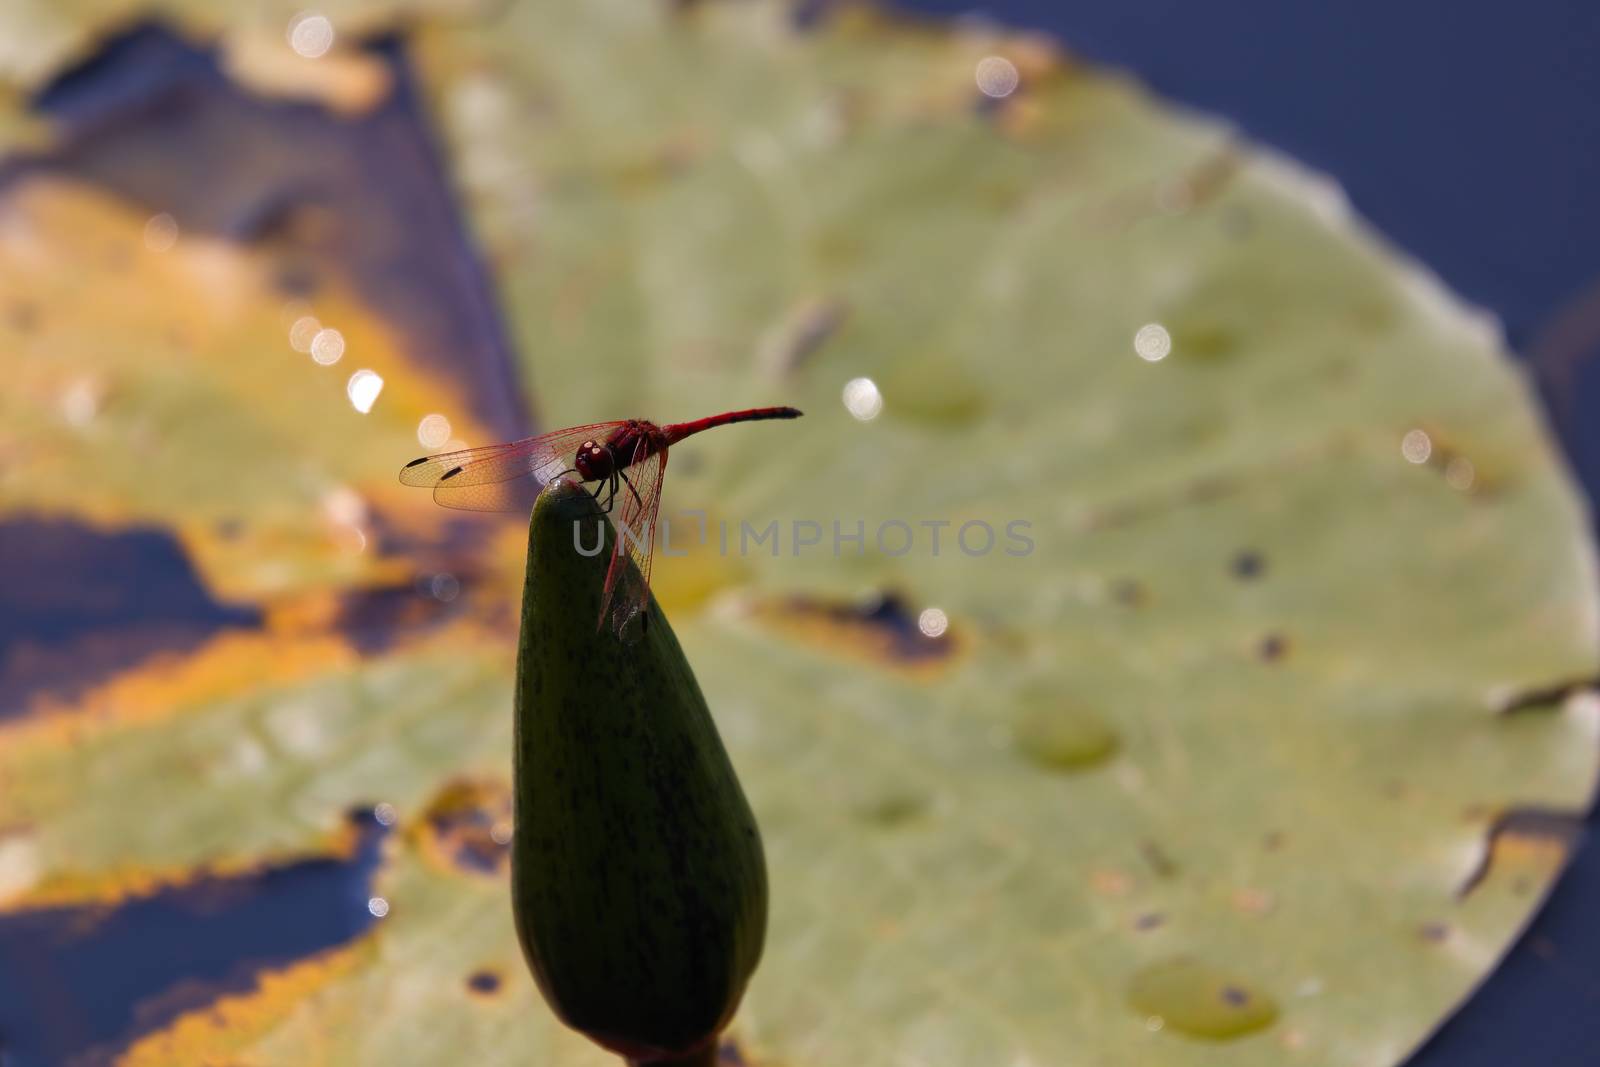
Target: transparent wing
x=504 y=477
x=627 y=590
x=516 y=495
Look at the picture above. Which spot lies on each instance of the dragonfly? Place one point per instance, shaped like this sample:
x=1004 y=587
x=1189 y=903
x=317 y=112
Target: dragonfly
x=626 y=460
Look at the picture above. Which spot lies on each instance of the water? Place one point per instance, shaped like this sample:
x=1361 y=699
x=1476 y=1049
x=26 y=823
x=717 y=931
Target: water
x=133 y=594
x=1061 y=736
x=86 y=981
x=152 y=118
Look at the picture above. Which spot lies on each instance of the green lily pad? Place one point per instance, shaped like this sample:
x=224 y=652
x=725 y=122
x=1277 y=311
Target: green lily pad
x=1228 y=722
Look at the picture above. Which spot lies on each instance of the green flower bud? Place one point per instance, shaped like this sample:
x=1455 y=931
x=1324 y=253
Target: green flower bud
x=638 y=882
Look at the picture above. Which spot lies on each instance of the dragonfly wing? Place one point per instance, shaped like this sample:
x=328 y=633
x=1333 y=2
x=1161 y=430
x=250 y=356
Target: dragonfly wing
x=515 y=495
x=503 y=477
x=627 y=589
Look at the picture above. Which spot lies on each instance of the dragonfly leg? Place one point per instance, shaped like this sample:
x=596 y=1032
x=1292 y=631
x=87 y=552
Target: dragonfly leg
x=611 y=482
x=631 y=489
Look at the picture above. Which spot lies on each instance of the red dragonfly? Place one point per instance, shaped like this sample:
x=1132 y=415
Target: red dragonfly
x=625 y=458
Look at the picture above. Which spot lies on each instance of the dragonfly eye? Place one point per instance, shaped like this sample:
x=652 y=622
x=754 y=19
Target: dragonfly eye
x=592 y=461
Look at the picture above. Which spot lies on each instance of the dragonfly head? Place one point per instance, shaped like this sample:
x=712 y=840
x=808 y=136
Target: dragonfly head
x=593 y=461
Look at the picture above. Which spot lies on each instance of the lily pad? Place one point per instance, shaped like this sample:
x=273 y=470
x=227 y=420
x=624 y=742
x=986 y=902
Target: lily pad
x=1290 y=540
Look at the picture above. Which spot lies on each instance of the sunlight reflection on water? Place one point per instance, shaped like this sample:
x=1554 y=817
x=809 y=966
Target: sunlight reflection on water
x=327 y=347
x=433 y=431
x=310 y=34
x=862 y=398
x=363 y=389
x=303 y=331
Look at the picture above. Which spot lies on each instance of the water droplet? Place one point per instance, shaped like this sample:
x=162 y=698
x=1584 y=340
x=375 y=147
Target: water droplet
x=378 y=907
x=997 y=76
x=1198 y=1000
x=894 y=808
x=1061 y=736
x=862 y=399
x=327 y=347
x=310 y=34
x=933 y=622
x=935 y=388
x=1416 y=446
x=1152 y=343
x=363 y=389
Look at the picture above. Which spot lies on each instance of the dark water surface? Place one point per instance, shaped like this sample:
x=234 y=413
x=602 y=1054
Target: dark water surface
x=152 y=118
x=80 y=604
x=79 y=983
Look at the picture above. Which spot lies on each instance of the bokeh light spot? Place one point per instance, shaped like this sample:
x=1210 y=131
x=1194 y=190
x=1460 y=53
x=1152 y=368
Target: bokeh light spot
x=933 y=622
x=310 y=34
x=363 y=389
x=433 y=431
x=997 y=76
x=160 y=232
x=1416 y=446
x=303 y=331
x=862 y=398
x=327 y=347
x=1152 y=343
x=445 y=587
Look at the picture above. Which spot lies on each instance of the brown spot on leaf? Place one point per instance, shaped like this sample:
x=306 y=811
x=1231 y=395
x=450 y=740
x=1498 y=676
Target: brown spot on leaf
x=1110 y=882
x=467 y=826
x=1248 y=564
x=1129 y=593
x=1161 y=864
x=1251 y=901
x=882 y=629
x=1525 y=841
x=1273 y=647
x=484 y=982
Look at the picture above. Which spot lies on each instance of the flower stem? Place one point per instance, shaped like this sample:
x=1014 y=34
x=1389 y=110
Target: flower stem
x=706 y=1056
